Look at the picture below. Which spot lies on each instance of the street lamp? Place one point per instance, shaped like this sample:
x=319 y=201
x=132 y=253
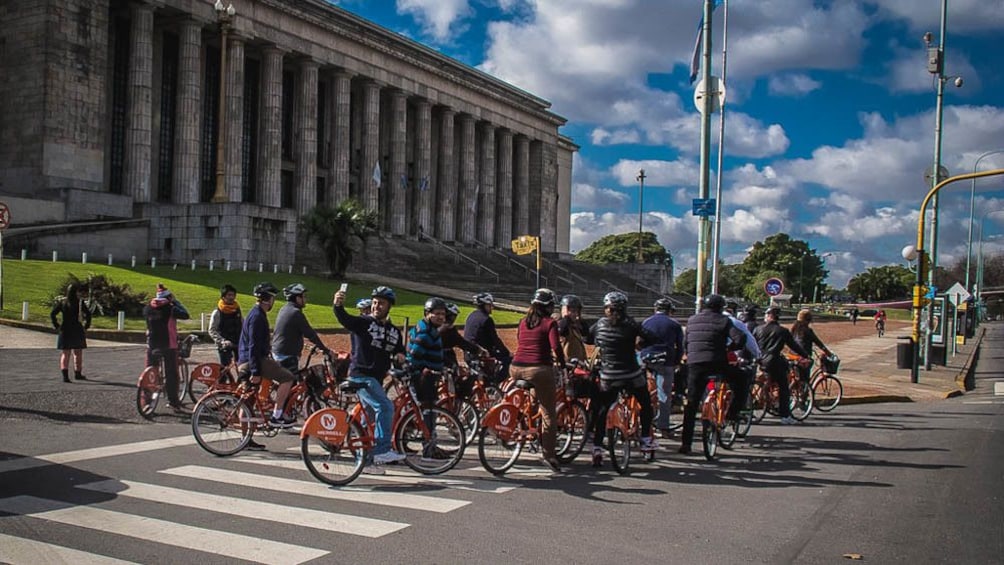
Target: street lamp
x=815 y=287
x=225 y=16
x=972 y=210
x=641 y=206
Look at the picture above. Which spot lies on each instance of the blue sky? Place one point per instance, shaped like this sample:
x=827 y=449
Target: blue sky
x=829 y=116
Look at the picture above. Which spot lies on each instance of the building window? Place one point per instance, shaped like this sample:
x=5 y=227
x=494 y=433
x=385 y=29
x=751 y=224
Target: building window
x=288 y=90
x=249 y=137
x=286 y=186
x=323 y=157
x=168 y=110
x=319 y=185
x=210 y=127
x=119 y=109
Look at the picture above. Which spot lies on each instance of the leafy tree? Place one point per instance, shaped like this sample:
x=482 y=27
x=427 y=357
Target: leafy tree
x=623 y=248
x=789 y=259
x=105 y=297
x=686 y=282
x=339 y=231
x=730 y=281
x=888 y=282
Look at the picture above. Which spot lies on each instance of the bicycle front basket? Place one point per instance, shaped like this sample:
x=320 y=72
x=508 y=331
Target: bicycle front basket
x=830 y=364
x=184 y=349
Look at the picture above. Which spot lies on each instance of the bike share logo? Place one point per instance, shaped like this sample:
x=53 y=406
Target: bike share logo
x=506 y=419
x=207 y=371
x=329 y=421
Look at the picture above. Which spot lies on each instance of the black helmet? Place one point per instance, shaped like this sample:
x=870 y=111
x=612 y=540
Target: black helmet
x=385 y=292
x=265 y=290
x=543 y=297
x=293 y=290
x=616 y=300
x=773 y=311
x=714 y=302
x=571 y=301
x=227 y=288
x=452 y=311
x=664 y=305
x=751 y=308
x=434 y=303
x=732 y=306
x=482 y=298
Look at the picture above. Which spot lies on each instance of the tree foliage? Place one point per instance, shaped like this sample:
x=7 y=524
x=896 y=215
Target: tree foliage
x=105 y=297
x=339 y=231
x=791 y=260
x=888 y=282
x=623 y=248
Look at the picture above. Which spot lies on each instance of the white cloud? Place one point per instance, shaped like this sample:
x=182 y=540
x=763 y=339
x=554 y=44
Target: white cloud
x=588 y=197
x=438 y=18
x=657 y=173
x=907 y=72
x=792 y=85
x=601 y=136
x=674 y=233
x=963 y=15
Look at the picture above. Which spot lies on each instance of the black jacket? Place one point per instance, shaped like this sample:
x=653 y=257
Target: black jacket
x=707 y=339
x=772 y=338
x=617 y=343
x=479 y=328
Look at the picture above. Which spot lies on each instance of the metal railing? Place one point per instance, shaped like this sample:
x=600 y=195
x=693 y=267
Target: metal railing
x=461 y=257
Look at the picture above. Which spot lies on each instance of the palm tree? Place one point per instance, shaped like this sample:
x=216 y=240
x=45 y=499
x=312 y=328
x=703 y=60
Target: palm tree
x=339 y=231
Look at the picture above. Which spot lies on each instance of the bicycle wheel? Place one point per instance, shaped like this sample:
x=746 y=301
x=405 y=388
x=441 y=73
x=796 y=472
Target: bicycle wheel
x=710 y=438
x=469 y=417
x=573 y=421
x=148 y=392
x=196 y=388
x=729 y=433
x=438 y=453
x=222 y=423
x=496 y=453
x=744 y=424
x=801 y=400
x=619 y=449
x=183 y=379
x=759 y=396
x=335 y=464
x=827 y=392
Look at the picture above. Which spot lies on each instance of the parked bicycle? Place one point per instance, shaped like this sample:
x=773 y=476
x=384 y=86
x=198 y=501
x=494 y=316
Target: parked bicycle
x=827 y=390
x=151 y=382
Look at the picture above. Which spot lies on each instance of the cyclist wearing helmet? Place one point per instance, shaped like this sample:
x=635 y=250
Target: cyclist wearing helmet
x=618 y=337
x=667 y=344
x=255 y=346
x=425 y=357
x=451 y=339
x=291 y=327
x=162 y=315
x=225 y=324
x=375 y=340
x=480 y=329
x=772 y=338
x=571 y=328
x=741 y=375
x=751 y=316
x=364 y=306
x=707 y=344
x=538 y=349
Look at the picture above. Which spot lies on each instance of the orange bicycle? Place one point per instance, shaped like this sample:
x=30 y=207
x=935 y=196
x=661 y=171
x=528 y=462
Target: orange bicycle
x=623 y=430
x=150 y=385
x=766 y=395
x=714 y=417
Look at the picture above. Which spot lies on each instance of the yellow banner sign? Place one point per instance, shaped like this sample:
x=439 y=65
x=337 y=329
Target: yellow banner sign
x=524 y=245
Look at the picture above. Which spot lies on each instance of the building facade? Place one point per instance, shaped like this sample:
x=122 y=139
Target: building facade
x=141 y=109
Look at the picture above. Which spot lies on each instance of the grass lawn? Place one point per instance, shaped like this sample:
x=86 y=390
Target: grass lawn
x=198 y=290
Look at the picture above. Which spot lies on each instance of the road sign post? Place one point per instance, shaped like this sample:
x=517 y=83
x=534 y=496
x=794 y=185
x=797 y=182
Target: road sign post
x=526 y=244
x=4 y=222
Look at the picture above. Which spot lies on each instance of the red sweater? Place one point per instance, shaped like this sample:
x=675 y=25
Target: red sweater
x=535 y=346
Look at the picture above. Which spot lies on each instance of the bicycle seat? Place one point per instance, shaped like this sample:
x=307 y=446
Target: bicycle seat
x=525 y=385
x=351 y=387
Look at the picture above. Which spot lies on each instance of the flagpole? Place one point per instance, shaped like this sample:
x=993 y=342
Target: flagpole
x=721 y=152
x=703 y=188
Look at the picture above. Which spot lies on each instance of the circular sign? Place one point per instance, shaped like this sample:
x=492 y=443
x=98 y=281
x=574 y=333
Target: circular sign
x=4 y=216
x=328 y=421
x=716 y=91
x=773 y=287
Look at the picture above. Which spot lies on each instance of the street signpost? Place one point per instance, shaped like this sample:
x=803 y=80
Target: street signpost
x=773 y=287
x=957 y=295
x=704 y=206
x=4 y=222
x=525 y=245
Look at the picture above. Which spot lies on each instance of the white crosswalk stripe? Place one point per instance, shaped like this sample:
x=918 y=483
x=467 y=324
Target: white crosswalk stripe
x=20 y=551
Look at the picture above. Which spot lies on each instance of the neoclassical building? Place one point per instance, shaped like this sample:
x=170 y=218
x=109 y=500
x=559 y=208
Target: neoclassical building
x=112 y=109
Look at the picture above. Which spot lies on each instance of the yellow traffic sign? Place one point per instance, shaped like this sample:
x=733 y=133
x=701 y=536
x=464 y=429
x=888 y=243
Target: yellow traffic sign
x=524 y=245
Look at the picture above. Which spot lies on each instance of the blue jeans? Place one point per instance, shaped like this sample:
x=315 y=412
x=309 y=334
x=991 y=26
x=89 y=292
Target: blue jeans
x=664 y=389
x=374 y=397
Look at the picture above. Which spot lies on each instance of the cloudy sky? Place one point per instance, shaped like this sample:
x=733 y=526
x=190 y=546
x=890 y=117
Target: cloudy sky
x=830 y=113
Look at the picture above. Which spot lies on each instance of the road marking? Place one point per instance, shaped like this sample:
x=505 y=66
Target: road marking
x=394 y=476
x=18 y=551
x=160 y=531
x=33 y=461
x=315 y=488
x=999 y=388
x=331 y=521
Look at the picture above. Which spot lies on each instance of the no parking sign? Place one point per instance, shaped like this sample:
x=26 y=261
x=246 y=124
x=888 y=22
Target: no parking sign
x=773 y=287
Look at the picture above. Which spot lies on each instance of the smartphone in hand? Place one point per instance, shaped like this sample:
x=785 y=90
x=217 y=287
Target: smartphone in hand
x=343 y=288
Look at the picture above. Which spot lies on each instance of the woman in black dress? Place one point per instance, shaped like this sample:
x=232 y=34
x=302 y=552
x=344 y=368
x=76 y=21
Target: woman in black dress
x=72 y=340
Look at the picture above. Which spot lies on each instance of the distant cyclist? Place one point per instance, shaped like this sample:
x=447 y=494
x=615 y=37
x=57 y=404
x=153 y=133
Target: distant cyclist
x=480 y=329
x=880 y=322
x=225 y=325
x=667 y=346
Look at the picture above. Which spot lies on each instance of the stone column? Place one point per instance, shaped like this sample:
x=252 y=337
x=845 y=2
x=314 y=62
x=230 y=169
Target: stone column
x=140 y=104
x=270 y=128
x=369 y=186
x=503 y=197
x=544 y=193
x=446 y=192
x=340 y=141
x=397 y=186
x=467 y=203
x=521 y=187
x=305 y=144
x=486 y=196
x=422 y=216
x=536 y=168
x=189 y=115
x=233 y=123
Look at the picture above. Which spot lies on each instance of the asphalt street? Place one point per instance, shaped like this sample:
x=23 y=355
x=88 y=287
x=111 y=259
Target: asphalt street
x=903 y=482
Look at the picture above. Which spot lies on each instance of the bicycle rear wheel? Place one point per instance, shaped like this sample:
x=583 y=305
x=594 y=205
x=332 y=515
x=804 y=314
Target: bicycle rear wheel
x=497 y=454
x=222 y=423
x=744 y=424
x=334 y=464
x=183 y=380
x=827 y=392
x=729 y=433
x=801 y=400
x=759 y=402
x=710 y=437
x=620 y=450
x=148 y=392
x=573 y=421
x=469 y=418
x=439 y=452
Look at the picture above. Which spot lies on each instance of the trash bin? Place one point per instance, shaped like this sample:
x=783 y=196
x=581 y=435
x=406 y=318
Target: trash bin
x=904 y=352
x=939 y=355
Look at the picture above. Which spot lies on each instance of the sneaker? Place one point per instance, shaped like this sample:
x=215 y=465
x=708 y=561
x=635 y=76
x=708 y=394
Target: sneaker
x=388 y=457
x=684 y=450
x=648 y=444
x=180 y=409
x=433 y=453
x=282 y=422
x=553 y=464
x=597 y=456
x=788 y=421
x=373 y=470
x=255 y=446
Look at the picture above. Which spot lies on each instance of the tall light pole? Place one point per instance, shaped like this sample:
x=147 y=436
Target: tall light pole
x=225 y=17
x=703 y=187
x=815 y=287
x=717 y=241
x=641 y=208
x=972 y=210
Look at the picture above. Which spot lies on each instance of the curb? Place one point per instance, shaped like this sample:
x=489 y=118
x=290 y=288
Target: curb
x=874 y=399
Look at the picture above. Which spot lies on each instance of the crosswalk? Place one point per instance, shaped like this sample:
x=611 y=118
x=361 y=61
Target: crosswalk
x=198 y=500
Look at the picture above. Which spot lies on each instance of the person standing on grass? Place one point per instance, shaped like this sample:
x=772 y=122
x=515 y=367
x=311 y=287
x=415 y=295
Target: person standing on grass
x=72 y=338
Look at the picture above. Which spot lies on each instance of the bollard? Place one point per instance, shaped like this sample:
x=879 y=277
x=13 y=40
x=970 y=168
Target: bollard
x=24 y=311
x=210 y=264
x=83 y=257
x=109 y=259
x=291 y=269
x=153 y=262
x=175 y=266
x=228 y=266
x=202 y=321
x=245 y=266
x=55 y=256
x=193 y=264
x=275 y=268
x=132 y=262
x=121 y=321
x=305 y=269
x=24 y=254
x=261 y=267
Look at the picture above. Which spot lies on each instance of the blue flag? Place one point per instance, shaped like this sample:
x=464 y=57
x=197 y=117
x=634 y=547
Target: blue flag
x=695 y=62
